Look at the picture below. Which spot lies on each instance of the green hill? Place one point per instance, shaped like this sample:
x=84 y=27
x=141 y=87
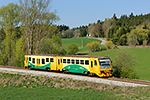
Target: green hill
x=142 y=56
x=78 y=41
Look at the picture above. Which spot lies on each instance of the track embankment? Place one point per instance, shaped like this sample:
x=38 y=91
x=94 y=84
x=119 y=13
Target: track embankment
x=109 y=81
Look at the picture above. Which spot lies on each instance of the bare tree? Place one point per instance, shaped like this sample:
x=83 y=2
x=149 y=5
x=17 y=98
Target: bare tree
x=76 y=33
x=37 y=22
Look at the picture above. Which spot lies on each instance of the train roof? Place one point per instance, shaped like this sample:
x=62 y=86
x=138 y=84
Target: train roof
x=78 y=56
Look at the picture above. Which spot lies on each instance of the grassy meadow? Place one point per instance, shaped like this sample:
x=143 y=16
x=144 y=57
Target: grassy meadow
x=27 y=87
x=78 y=41
x=142 y=58
x=50 y=93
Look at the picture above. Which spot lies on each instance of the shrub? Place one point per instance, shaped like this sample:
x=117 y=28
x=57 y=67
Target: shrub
x=123 y=65
x=94 y=46
x=108 y=44
x=72 y=49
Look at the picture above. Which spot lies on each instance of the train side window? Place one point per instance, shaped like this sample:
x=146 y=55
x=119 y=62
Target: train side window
x=33 y=60
x=77 y=61
x=64 y=60
x=95 y=62
x=82 y=62
x=61 y=60
x=72 y=61
x=86 y=62
x=68 y=61
x=43 y=61
x=47 y=59
x=51 y=60
x=29 y=58
x=91 y=64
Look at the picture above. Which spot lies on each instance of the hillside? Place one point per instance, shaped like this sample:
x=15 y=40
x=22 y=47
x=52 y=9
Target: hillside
x=78 y=41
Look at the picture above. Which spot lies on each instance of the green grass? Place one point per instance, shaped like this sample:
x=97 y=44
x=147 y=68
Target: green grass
x=68 y=41
x=54 y=88
x=51 y=93
x=142 y=56
x=44 y=93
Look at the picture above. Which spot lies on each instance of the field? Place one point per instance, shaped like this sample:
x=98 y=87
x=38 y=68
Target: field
x=44 y=93
x=142 y=57
x=23 y=87
x=78 y=41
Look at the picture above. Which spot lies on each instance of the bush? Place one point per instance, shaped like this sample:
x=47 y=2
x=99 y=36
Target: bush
x=108 y=44
x=123 y=65
x=94 y=46
x=72 y=49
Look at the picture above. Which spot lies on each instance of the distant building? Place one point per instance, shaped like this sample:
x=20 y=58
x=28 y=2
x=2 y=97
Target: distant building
x=88 y=34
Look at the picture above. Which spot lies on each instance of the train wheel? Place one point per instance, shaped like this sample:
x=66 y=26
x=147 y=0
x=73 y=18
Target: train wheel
x=85 y=73
x=49 y=69
x=66 y=71
x=30 y=67
x=91 y=74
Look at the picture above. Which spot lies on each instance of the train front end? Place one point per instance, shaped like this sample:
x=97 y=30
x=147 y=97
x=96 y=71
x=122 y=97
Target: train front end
x=105 y=67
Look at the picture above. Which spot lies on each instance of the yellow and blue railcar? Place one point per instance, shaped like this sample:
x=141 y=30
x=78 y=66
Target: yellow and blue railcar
x=101 y=66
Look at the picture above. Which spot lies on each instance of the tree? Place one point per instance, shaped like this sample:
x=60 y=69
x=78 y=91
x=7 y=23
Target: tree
x=68 y=33
x=37 y=21
x=19 y=52
x=132 y=39
x=76 y=33
x=114 y=16
x=83 y=32
x=123 y=39
x=46 y=47
x=107 y=24
x=10 y=18
x=72 y=48
x=123 y=65
x=96 y=30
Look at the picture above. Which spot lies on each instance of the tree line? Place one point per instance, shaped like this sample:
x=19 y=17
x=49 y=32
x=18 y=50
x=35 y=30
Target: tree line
x=125 y=30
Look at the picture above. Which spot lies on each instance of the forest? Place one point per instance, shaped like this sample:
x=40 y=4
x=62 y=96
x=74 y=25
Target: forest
x=29 y=28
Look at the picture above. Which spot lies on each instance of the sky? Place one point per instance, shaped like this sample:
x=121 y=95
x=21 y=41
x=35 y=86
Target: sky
x=75 y=13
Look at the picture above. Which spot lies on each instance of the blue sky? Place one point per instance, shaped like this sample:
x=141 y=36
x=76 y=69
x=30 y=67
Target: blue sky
x=75 y=13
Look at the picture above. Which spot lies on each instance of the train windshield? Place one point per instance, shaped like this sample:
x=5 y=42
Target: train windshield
x=104 y=61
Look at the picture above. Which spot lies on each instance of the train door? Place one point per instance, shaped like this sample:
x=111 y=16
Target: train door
x=37 y=62
x=59 y=64
x=93 y=66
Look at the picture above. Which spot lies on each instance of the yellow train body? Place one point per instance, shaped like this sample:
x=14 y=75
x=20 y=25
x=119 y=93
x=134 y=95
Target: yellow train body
x=100 y=66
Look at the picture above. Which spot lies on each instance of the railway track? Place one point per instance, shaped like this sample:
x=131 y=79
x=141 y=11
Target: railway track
x=111 y=80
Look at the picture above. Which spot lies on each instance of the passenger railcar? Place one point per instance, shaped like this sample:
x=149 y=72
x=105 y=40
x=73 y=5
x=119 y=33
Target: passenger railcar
x=101 y=66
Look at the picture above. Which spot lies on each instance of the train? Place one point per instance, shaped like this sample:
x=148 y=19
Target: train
x=88 y=65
